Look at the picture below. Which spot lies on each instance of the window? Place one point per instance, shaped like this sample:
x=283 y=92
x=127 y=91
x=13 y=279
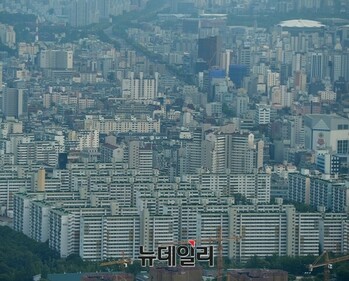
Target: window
x=342 y=146
x=343 y=127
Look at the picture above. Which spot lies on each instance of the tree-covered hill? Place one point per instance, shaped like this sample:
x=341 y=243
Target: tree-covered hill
x=21 y=258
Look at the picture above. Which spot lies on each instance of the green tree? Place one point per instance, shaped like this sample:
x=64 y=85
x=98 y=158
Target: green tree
x=342 y=272
x=227 y=110
x=256 y=262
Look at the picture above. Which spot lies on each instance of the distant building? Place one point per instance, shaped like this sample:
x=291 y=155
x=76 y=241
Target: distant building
x=244 y=153
x=121 y=125
x=176 y=273
x=241 y=104
x=317 y=66
x=140 y=88
x=56 y=59
x=327 y=131
x=107 y=276
x=214 y=109
x=1 y=76
x=281 y=231
x=8 y=35
x=83 y=12
x=140 y=156
x=209 y=50
x=327 y=96
x=301 y=25
x=237 y=73
x=300 y=80
x=257 y=275
x=262 y=115
x=111 y=153
x=327 y=163
x=318 y=191
x=14 y=102
x=83 y=139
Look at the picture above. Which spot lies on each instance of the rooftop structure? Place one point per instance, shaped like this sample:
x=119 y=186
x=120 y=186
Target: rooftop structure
x=300 y=23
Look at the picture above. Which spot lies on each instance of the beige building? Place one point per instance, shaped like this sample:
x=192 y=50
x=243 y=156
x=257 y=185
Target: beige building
x=122 y=125
x=8 y=35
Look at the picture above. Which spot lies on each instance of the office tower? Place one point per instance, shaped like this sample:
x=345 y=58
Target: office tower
x=262 y=115
x=317 y=66
x=14 y=102
x=237 y=73
x=209 y=50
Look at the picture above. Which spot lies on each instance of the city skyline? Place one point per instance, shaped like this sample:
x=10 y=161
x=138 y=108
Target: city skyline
x=129 y=125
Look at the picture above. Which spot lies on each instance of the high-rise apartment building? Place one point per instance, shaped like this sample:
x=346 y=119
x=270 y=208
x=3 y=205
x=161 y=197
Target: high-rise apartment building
x=244 y=154
x=45 y=152
x=56 y=59
x=241 y=104
x=216 y=151
x=114 y=210
x=317 y=66
x=83 y=12
x=140 y=88
x=319 y=192
x=140 y=156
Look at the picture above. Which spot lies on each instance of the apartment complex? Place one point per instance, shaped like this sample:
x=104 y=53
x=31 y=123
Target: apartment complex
x=319 y=191
x=108 y=210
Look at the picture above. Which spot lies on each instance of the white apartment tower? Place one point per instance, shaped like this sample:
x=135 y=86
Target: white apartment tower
x=140 y=157
x=140 y=88
x=243 y=153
